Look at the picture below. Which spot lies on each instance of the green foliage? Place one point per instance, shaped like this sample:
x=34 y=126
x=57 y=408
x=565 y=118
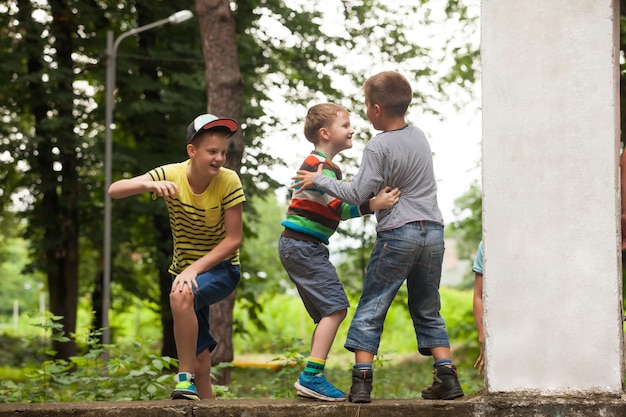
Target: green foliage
x=467 y=228
x=52 y=94
x=395 y=376
x=135 y=372
x=18 y=286
x=293 y=356
x=359 y=237
x=87 y=377
x=285 y=319
x=262 y=271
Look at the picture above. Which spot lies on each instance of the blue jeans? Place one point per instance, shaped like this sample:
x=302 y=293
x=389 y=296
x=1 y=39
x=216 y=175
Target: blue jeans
x=413 y=252
x=213 y=286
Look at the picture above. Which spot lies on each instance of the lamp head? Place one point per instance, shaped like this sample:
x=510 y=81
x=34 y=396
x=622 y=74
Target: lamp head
x=180 y=17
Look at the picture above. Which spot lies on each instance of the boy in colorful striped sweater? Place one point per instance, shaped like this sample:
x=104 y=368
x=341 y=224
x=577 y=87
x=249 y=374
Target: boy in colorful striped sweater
x=312 y=217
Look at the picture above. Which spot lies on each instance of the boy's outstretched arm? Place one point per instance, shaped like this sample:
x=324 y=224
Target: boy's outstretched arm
x=304 y=179
x=143 y=183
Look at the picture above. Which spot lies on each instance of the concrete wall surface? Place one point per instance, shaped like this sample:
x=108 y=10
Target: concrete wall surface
x=478 y=406
x=552 y=270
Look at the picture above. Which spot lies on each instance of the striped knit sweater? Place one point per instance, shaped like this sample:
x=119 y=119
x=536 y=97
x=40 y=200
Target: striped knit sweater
x=315 y=215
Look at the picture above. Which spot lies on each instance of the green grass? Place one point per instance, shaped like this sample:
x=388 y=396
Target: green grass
x=393 y=378
x=399 y=371
x=136 y=372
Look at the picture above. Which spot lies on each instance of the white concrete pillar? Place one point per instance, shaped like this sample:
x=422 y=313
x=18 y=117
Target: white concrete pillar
x=552 y=289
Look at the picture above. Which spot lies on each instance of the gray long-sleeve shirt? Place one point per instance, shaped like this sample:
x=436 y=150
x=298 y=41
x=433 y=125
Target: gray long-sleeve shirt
x=398 y=158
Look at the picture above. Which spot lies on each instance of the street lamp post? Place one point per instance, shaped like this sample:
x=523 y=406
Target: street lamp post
x=111 y=53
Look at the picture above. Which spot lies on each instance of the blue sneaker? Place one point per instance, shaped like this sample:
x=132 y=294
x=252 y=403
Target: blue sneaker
x=319 y=388
x=185 y=388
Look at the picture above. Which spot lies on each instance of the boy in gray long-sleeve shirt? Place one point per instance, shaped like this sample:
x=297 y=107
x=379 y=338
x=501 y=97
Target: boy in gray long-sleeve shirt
x=409 y=244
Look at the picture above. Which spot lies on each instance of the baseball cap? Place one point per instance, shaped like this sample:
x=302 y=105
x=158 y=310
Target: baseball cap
x=209 y=121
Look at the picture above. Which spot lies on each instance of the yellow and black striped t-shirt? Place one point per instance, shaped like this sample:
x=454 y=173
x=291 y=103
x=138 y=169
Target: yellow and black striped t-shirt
x=197 y=220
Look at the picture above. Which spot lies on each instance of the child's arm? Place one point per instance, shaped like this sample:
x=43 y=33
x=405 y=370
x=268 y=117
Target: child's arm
x=355 y=192
x=140 y=184
x=478 y=319
x=304 y=178
x=385 y=198
x=231 y=242
x=623 y=191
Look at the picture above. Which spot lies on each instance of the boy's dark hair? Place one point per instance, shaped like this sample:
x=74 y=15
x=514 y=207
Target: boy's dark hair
x=390 y=90
x=319 y=116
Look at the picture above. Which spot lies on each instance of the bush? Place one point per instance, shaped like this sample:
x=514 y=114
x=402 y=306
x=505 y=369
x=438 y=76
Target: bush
x=134 y=371
x=138 y=376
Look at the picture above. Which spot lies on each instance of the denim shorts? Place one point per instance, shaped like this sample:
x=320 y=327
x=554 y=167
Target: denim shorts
x=316 y=279
x=413 y=252
x=213 y=286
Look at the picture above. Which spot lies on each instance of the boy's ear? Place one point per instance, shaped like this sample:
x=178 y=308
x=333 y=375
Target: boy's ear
x=324 y=133
x=191 y=150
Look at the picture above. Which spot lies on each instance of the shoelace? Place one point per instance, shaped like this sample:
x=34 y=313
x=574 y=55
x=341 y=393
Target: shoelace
x=364 y=372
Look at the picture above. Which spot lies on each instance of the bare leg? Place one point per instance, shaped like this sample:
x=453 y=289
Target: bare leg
x=203 y=375
x=361 y=356
x=440 y=352
x=325 y=333
x=185 y=329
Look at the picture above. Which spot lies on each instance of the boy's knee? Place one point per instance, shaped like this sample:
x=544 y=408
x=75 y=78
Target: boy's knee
x=181 y=300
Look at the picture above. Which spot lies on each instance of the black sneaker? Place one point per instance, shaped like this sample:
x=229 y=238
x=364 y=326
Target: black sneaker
x=361 y=386
x=445 y=384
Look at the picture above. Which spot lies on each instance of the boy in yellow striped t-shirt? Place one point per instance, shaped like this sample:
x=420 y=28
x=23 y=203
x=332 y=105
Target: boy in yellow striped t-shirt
x=204 y=202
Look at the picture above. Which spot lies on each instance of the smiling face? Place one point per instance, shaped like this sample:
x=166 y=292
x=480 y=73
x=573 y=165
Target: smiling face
x=340 y=133
x=208 y=152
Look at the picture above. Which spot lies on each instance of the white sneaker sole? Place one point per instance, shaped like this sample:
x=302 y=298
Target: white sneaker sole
x=309 y=393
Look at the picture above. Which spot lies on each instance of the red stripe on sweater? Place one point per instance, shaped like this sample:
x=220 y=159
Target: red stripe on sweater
x=309 y=205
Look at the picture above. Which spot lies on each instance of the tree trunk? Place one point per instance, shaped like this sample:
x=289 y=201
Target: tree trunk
x=63 y=283
x=221 y=322
x=167 y=321
x=57 y=211
x=224 y=98
x=164 y=255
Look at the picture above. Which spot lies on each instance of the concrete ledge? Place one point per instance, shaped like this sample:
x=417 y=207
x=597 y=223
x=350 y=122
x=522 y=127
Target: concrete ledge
x=479 y=406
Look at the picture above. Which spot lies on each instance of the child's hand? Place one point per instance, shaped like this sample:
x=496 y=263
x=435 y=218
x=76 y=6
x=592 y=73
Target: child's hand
x=166 y=189
x=304 y=179
x=480 y=362
x=184 y=281
x=386 y=198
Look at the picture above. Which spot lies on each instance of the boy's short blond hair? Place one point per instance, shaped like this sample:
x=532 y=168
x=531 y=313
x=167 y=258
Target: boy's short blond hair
x=390 y=90
x=319 y=116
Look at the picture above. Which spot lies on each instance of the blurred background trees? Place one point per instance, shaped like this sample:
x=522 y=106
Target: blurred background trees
x=288 y=54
